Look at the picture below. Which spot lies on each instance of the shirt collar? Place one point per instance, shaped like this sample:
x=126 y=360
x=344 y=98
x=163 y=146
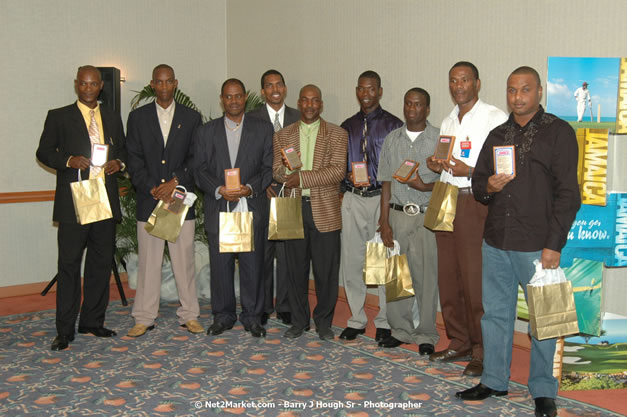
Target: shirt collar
x=85 y=109
x=168 y=110
x=272 y=112
x=455 y=113
x=373 y=114
x=308 y=128
x=535 y=119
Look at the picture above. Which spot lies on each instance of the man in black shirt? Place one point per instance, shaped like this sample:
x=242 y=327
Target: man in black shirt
x=529 y=216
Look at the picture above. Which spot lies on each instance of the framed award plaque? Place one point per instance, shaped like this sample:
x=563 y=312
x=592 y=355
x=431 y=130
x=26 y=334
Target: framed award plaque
x=360 y=174
x=504 y=160
x=99 y=154
x=231 y=179
x=176 y=204
x=406 y=170
x=293 y=160
x=444 y=148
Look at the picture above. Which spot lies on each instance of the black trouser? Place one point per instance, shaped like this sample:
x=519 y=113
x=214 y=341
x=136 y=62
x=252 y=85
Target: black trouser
x=323 y=251
x=72 y=239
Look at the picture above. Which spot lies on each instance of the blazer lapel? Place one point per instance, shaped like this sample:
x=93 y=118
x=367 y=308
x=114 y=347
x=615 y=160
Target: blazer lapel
x=155 y=127
x=177 y=121
x=222 y=144
x=244 y=138
x=320 y=146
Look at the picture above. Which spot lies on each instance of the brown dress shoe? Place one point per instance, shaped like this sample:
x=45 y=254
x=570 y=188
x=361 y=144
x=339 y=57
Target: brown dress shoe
x=193 y=326
x=474 y=368
x=450 y=355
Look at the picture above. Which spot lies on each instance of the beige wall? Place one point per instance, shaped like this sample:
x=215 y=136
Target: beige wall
x=43 y=44
x=412 y=43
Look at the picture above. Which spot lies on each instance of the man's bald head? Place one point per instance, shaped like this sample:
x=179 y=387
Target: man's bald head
x=88 y=69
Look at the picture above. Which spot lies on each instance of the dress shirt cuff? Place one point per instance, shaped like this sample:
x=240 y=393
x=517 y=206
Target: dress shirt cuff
x=67 y=163
x=218 y=195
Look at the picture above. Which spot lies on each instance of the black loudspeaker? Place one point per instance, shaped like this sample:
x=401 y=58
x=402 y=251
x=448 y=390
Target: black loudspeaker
x=110 y=94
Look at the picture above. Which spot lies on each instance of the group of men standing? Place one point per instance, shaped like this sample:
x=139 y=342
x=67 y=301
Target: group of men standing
x=502 y=221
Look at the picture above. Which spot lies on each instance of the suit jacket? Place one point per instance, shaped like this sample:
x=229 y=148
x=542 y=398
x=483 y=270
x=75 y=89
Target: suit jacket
x=150 y=163
x=291 y=115
x=65 y=134
x=328 y=171
x=254 y=160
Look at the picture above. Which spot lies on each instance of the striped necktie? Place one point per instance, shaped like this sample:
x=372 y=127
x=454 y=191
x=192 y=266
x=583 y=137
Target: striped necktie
x=94 y=137
x=277 y=123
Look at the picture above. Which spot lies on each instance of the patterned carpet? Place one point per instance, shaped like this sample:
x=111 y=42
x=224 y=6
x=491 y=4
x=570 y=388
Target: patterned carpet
x=172 y=372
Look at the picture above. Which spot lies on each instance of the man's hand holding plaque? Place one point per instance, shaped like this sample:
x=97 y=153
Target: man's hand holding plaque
x=444 y=148
x=291 y=158
x=233 y=190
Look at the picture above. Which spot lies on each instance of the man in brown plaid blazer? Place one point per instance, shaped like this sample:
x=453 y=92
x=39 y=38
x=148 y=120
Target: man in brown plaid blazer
x=322 y=149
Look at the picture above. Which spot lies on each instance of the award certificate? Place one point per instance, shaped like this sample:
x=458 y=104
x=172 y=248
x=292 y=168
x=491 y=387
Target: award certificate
x=504 y=160
x=406 y=170
x=99 y=154
x=231 y=179
x=293 y=160
x=444 y=148
x=360 y=174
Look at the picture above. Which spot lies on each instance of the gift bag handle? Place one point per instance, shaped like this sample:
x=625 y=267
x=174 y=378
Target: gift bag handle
x=395 y=251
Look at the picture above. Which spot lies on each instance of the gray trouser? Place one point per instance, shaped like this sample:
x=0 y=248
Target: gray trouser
x=418 y=243
x=359 y=224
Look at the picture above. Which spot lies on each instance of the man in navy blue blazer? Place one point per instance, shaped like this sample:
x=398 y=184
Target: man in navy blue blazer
x=159 y=143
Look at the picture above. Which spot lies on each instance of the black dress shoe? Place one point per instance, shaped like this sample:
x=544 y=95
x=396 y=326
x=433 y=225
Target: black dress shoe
x=264 y=318
x=479 y=393
x=218 y=328
x=350 y=333
x=97 y=331
x=325 y=333
x=284 y=316
x=382 y=334
x=256 y=330
x=390 y=342
x=545 y=407
x=294 y=332
x=426 y=349
x=61 y=342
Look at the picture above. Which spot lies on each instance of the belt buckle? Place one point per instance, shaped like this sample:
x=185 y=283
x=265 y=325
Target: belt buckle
x=411 y=209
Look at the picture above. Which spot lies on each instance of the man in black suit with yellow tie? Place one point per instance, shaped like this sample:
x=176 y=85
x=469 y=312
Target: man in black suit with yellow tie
x=65 y=146
x=274 y=91
x=235 y=141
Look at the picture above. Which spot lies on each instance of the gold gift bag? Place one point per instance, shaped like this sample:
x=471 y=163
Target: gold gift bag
x=164 y=223
x=552 y=310
x=91 y=202
x=286 y=217
x=398 y=278
x=441 y=211
x=374 y=263
x=236 y=229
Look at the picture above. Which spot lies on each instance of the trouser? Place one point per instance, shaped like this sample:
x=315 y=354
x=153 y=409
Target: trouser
x=359 y=224
x=322 y=249
x=503 y=271
x=148 y=294
x=72 y=239
x=418 y=243
x=459 y=276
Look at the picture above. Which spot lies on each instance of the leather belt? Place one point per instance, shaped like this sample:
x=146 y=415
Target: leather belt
x=410 y=209
x=465 y=190
x=364 y=193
